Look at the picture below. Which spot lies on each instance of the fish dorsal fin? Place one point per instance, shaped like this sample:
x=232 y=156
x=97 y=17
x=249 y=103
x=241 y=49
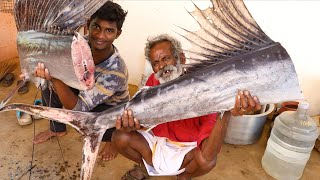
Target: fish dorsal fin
x=227 y=29
x=54 y=16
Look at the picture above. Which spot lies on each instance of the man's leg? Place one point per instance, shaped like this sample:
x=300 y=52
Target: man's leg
x=201 y=161
x=109 y=151
x=133 y=146
x=194 y=168
x=56 y=129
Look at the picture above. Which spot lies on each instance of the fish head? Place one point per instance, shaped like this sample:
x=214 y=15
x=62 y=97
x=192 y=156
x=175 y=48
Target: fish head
x=83 y=61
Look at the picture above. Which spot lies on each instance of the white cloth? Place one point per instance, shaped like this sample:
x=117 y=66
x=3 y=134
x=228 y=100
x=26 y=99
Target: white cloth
x=167 y=155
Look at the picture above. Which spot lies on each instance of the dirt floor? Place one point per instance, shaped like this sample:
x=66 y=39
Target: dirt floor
x=61 y=159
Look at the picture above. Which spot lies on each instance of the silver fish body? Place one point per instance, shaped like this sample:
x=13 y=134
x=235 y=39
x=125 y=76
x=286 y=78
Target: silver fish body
x=67 y=58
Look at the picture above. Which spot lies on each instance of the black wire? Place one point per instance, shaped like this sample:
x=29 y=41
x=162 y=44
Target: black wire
x=54 y=128
x=34 y=134
x=26 y=172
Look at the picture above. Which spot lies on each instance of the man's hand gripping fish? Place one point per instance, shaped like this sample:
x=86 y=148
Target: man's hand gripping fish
x=230 y=52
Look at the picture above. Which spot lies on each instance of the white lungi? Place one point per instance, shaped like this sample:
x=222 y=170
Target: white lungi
x=167 y=155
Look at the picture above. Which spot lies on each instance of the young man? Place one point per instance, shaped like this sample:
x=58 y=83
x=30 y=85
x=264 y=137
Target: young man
x=111 y=86
x=186 y=148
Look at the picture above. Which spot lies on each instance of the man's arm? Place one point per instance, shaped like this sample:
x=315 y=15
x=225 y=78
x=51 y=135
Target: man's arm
x=64 y=92
x=245 y=103
x=205 y=159
x=106 y=85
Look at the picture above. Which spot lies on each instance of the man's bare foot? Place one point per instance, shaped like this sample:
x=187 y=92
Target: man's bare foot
x=108 y=152
x=46 y=135
x=138 y=172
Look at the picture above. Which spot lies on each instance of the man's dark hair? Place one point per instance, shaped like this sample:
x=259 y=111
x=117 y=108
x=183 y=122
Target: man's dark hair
x=110 y=11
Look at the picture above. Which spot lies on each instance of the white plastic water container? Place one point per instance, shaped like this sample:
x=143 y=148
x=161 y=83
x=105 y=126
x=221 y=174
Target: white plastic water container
x=290 y=144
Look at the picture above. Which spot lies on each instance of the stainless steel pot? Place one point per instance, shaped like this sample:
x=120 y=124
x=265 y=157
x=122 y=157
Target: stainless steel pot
x=246 y=129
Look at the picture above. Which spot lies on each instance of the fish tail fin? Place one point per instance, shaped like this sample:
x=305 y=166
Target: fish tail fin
x=81 y=121
x=56 y=17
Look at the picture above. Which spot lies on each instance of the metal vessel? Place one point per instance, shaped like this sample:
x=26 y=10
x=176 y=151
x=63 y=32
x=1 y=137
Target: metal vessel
x=247 y=129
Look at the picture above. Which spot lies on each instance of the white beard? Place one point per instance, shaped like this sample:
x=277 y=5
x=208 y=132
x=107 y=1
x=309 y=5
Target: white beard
x=173 y=73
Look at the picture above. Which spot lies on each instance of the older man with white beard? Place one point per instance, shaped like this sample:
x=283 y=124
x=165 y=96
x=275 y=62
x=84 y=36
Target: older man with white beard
x=186 y=148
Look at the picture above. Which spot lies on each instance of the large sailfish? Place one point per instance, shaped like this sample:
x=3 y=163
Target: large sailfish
x=230 y=52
